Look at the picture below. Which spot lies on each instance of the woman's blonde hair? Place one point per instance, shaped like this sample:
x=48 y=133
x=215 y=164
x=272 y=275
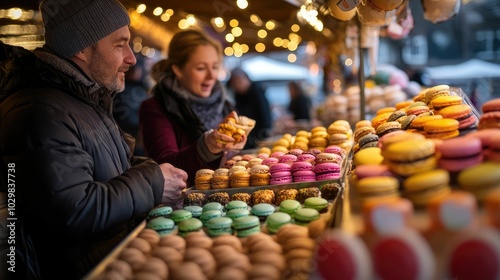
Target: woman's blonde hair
x=180 y=49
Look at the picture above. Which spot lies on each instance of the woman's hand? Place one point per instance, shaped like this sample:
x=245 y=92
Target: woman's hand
x=217 y=142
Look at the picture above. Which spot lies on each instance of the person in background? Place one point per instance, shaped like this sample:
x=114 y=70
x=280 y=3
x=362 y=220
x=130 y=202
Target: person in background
x=127 y=103
x=251 y=101
x=78 y=192
x=300 y=104
x=179 y=123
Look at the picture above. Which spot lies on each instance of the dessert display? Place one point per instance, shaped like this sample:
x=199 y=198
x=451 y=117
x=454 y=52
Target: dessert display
x=423 y=188
x=239 y=248
x=421 y=176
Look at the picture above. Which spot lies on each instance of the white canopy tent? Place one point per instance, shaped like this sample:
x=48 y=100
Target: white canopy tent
x=261 y=68
x=470 y=69
x=474 y=75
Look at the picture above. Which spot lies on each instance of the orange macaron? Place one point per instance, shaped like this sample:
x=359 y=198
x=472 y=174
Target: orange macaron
x=445 y=101
x=442 y=129
x=462 y=113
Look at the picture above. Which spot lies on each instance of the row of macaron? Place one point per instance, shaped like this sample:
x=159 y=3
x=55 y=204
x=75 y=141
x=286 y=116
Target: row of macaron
x=338 y=133
x=279 y=169
x=388 y=123
x=449 y=117
x=237 y=216
x=328 y=191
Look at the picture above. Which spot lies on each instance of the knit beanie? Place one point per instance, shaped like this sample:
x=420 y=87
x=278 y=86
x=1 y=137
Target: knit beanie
x=73 y=25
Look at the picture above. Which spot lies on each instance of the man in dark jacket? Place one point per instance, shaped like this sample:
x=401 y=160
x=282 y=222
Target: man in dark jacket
x=73 y=189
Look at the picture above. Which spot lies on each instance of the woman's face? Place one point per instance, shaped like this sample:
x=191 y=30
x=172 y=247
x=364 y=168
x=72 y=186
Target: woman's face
x=199 y=74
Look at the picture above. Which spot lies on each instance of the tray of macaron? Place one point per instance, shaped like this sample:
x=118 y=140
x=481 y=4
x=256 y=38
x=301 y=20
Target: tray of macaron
x=292 y=162
x=278 y=170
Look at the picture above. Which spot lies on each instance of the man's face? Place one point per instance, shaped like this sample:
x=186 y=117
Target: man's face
x=110 y=58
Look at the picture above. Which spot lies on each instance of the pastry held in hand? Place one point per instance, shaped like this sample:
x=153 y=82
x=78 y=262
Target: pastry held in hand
x=236 y=126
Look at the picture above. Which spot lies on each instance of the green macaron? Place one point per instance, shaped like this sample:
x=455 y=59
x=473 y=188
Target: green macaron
x=161 y=225
x=219 y=226
x=262 y=210
x=194 y=209
x=236 y=204
x=208 y=215
x=317 y=203
x=180 y=215
x=289 y=206
x=245 y=226
x=277 y=220
x=213 y=206
x=304 y=216
x=187 y=226
x=236 y=213
x=162 y=211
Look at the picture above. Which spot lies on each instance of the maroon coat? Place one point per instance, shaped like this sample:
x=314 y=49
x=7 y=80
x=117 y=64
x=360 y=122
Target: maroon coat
x=171 y=137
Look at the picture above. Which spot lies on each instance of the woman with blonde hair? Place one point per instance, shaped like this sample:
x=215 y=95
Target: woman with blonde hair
x=179 y=123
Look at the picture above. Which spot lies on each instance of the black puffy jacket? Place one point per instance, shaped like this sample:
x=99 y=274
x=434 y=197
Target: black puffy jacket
x=77 y=191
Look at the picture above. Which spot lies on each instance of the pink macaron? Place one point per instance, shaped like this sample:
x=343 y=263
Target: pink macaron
x=327 y=176
x=279 y=167
x=372 y=170
x=460 y=153
x=326 y=167
x=307 y=157
x=304 y=176
x=263 y=155
x=484 y=135
x=334 y=149
x=301 y=165
x=288 y=159
x=327 y=171
x=469 y=121
x=270 y=161
x=282 y=177
x=277 y=155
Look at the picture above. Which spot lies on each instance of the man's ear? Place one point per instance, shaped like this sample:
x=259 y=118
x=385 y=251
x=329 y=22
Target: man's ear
x=81 y=55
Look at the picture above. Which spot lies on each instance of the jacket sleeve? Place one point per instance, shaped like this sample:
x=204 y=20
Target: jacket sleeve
x=164 y=144
x=54 y=175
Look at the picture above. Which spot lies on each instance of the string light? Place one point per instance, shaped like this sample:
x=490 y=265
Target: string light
x=158 y=11
x=140 y=19
x=141 y=8
x=242 y=4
